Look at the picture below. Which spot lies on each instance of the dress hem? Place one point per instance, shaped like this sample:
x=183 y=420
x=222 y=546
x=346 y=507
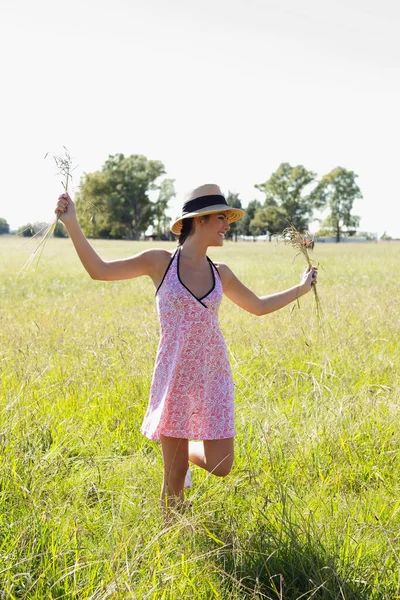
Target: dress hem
x=195 y=438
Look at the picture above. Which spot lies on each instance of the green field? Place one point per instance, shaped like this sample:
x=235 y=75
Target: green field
x=312 y=506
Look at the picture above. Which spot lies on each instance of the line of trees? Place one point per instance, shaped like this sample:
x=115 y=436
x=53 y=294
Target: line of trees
x=115 y=202
x=292 y=194
x=128 y=194
x=36 y=228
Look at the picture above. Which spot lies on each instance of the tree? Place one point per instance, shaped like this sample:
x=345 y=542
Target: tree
x=4 y=226
x=161 y=221
x=243 y=227
x=269 y=220
x=234 y=201
x=60 y=231
x=337 y=191
x=40 y=227
x=285 y=189
x=115 y=202
x=369 y=236
x=258 y=225
x=25 y=230
x=324 y=232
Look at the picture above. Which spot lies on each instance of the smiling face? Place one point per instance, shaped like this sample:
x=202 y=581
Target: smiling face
x=214 y=228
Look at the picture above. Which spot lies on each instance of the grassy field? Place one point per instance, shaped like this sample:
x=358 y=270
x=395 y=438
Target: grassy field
x=312 y=506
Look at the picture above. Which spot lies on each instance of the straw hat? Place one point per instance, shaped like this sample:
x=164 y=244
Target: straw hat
x=205 y=200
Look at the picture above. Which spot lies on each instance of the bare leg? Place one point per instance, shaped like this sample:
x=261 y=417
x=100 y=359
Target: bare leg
x=175 y=456
x=216 y=456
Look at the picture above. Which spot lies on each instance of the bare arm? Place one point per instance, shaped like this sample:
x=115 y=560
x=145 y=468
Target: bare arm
x=144 y=263
x=241 y=295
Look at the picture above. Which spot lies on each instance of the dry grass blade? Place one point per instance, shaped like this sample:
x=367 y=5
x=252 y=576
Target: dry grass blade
x=64 y=168
x=297 y=240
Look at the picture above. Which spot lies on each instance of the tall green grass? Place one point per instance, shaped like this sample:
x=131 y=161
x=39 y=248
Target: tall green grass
x=311 y=508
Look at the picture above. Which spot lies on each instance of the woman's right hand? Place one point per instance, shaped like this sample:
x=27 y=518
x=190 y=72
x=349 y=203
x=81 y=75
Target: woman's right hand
x=309 y=278
x=65 y=209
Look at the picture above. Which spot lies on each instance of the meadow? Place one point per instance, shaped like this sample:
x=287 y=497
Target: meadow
x=312 y=506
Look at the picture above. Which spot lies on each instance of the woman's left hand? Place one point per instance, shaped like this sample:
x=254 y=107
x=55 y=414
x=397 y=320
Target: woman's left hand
x=309 y=278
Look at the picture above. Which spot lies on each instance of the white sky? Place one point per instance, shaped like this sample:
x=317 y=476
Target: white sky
x=220 y=91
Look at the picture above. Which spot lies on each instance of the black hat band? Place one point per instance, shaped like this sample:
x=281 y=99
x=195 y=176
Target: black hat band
x=203 y=202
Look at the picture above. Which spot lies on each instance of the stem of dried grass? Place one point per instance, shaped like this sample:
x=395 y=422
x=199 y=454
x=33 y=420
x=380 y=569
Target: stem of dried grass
x=297 y=240
x=64 y=165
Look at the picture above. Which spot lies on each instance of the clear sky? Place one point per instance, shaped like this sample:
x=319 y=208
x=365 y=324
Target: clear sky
x=221 y=91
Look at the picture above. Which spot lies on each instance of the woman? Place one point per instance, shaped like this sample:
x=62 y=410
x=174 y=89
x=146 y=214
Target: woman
x=191 y=407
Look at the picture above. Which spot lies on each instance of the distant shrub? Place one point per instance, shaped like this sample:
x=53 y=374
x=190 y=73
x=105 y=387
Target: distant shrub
x=60 y=231
x=4 y=226
x=25 y=230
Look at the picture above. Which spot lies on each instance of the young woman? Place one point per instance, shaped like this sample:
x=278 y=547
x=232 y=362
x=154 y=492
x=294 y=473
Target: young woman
x=191 y=407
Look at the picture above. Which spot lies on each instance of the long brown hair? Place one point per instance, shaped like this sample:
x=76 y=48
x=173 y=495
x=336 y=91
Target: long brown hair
x=188 y=228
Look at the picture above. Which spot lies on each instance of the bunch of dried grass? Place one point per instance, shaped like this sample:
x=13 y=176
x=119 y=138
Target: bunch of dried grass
x=64 y=168
x=297 y=240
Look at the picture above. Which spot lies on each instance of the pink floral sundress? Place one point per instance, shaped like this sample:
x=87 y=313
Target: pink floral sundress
x=192 y=392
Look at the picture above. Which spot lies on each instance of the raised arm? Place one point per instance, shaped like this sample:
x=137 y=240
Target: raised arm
x=144 y=263
x=241 y=295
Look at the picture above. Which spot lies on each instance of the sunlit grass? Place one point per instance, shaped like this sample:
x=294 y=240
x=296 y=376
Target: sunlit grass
x=311 y=508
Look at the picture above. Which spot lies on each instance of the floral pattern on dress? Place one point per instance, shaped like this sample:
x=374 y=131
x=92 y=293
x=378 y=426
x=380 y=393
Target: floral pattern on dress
x=192 y=392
